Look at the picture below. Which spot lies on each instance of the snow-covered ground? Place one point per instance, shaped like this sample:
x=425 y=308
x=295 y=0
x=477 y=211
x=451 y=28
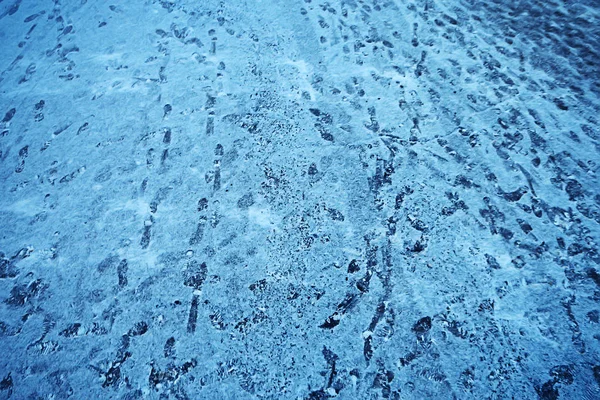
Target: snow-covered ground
x=299 y=199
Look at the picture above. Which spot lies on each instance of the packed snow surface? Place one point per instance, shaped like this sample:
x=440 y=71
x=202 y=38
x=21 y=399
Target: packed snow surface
x=299 y=199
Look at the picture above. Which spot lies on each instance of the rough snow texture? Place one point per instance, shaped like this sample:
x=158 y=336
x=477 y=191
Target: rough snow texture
x=288 y=199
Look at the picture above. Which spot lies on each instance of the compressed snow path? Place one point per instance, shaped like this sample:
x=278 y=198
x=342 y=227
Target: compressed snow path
x=296 y=199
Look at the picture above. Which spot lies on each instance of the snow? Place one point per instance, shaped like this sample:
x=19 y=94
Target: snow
x=299 y=199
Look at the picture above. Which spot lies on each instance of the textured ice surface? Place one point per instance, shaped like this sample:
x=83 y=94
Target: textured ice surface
x=296 y=199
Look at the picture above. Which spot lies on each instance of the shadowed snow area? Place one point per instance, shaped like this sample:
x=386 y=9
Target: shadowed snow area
x=299 y=199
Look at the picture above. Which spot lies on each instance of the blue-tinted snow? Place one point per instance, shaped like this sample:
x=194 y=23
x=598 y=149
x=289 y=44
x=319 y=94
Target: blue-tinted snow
x=299 y=199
